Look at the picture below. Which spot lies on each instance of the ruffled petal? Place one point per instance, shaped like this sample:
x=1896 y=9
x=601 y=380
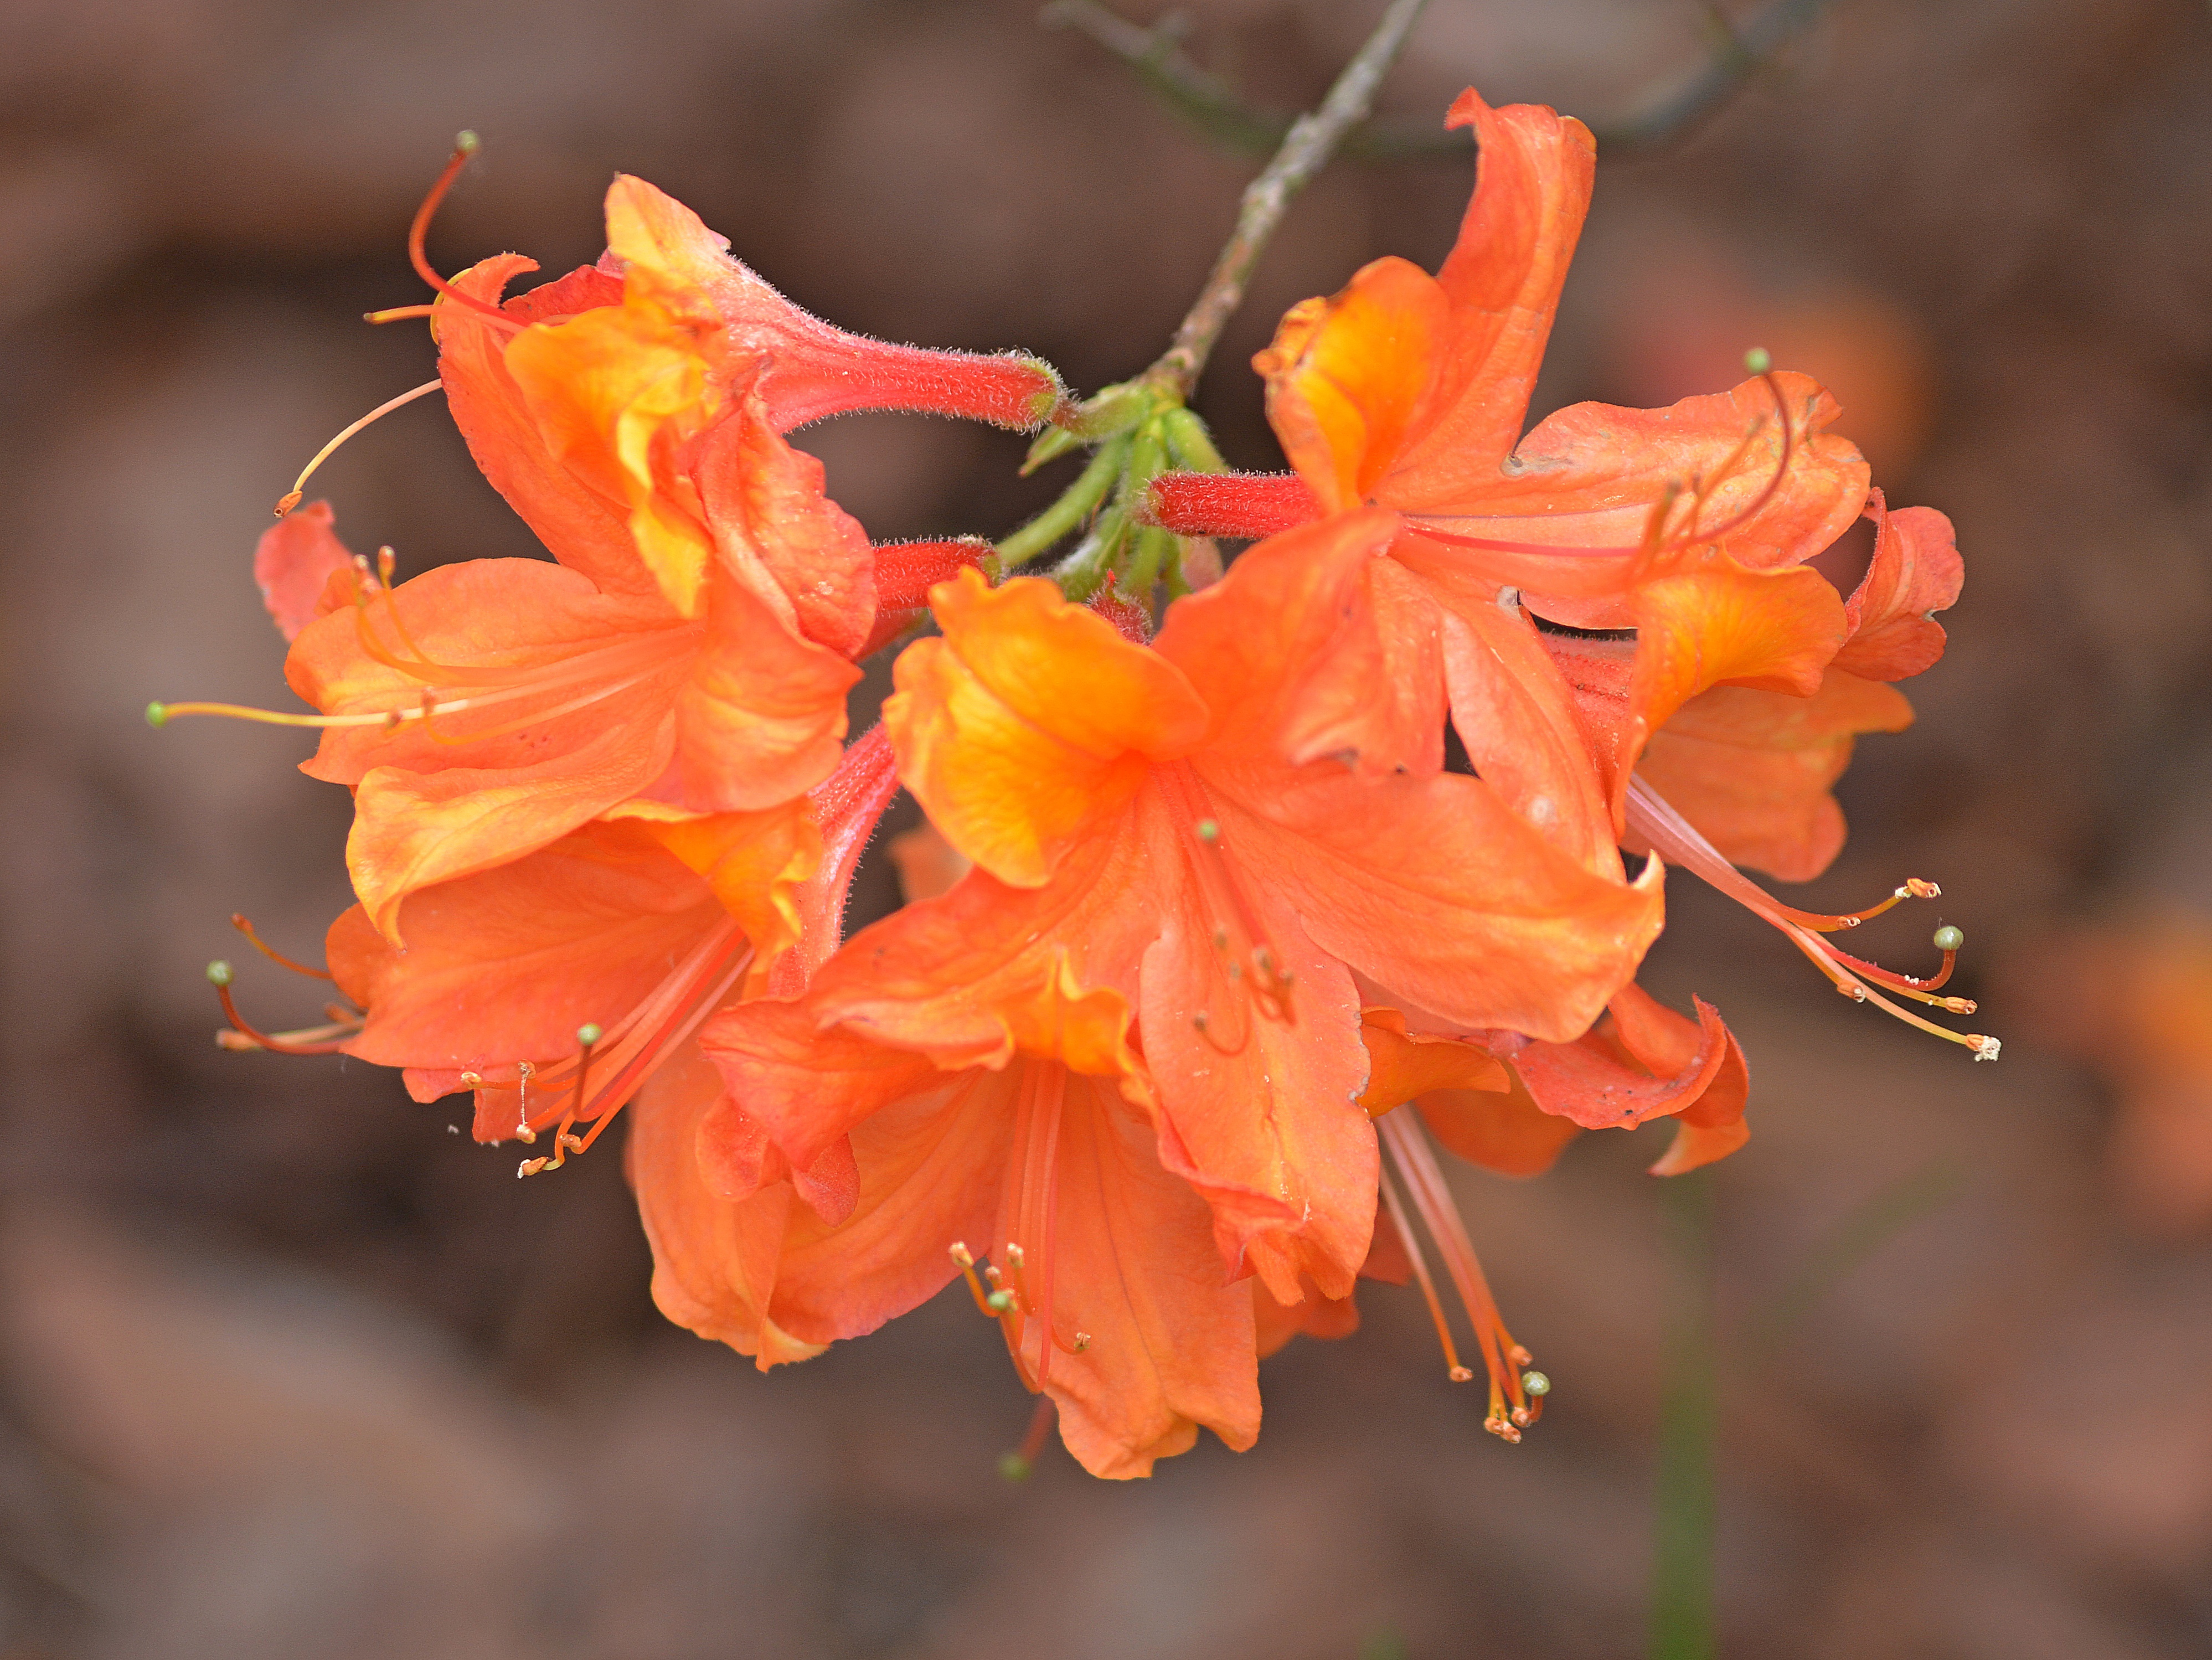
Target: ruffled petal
x=1589 y=478
x=776 y=530
x=715 y=1261
x=1751 y=769
x=413 y=830
x=505 y=965
x=1915 y=572
x=584 y=527
x=293 y=564
x=1030 y=722
x=1346 y=375
x=1652 y=1064
x=1534 y=169
x=1171 y=1344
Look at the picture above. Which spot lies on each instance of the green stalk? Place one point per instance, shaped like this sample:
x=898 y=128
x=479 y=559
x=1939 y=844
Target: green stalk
x=1073 y=506
x=1682 y=1625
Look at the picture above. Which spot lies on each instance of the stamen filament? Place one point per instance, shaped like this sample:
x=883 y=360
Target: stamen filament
x=219 y=976
x=1652 y=817
x=239 y=921
x=463 y=146
x=398 y=313
x=291 y=499
x=1457 y=1372
x=1502 y=1357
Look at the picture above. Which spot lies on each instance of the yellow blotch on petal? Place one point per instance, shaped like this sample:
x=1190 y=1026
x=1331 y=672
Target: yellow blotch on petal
x=1030 y=721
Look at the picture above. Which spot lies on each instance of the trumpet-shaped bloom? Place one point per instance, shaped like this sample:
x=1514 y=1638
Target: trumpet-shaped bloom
x=693 y=641
x=1144 y=854
x=1686 y=525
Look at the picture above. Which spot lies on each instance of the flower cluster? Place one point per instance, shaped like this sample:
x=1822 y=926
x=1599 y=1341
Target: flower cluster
x=1242 y=906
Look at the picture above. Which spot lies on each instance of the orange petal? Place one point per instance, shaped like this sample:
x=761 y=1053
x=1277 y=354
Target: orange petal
x=930 y=1167
x=1533 y=175
x=776 y=530
x=505 y=965
x=1345 y=376
x=584 y=527
x=1260 y=1109
x=1314 y=1316
x=1402 y=1064
x=1171 y=1344
x=1915 y=572
x=762 y=716
x=1031 y=720
x=1589 y=476
x=1586 y=1081
x=1515 y=715
x=714 y=1259
x=616 y=393
x=413 y=830
x=1507 y=1134
x=1751 y=769
x=1717 y=623
x=754 y=862
x=928 y=864
x=293 y=563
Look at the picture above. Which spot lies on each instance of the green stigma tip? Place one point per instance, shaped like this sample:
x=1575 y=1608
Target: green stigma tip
x=1208 y=830
x=157 y=714
x=1000 y=1301
x=1950 y=939
x=588 y=1033
x=1535 y=1383
x=466 y=141
x=218 y=973
x=1758 y=360
x=1012 y=1466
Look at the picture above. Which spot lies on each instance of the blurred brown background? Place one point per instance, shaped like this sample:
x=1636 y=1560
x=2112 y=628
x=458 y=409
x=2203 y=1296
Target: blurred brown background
x=290 y=1370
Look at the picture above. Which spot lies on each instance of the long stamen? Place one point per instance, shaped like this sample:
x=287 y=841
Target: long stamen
x=238 y=921
x=219 y=976
x=1667 y=832
x=563 y=1143
x=465 y=145
x=398 y=313
x=1503 y=1358
x=291 y=498
x=1453 y=1369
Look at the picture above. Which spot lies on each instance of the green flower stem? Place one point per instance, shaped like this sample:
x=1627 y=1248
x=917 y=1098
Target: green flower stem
x=1682 y=1627
x=1190 y=443
x=1074 y=505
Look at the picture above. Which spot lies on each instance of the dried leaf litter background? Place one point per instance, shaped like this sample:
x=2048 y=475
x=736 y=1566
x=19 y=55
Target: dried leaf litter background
x=288 y=1370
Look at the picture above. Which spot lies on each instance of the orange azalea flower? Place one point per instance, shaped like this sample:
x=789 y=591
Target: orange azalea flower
x=1748 y=675
x=556 y=986
x=1687 y=524
x=1143 y=856
x=693 y=644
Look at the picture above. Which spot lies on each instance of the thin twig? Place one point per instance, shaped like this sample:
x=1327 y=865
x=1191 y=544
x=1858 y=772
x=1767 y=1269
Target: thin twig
x=1312 y=140
x=1209 y=104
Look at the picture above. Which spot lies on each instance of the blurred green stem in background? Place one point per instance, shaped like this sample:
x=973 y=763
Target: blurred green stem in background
x=1854 y=1239
x=1683 y=1554
x=1682 y=1602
